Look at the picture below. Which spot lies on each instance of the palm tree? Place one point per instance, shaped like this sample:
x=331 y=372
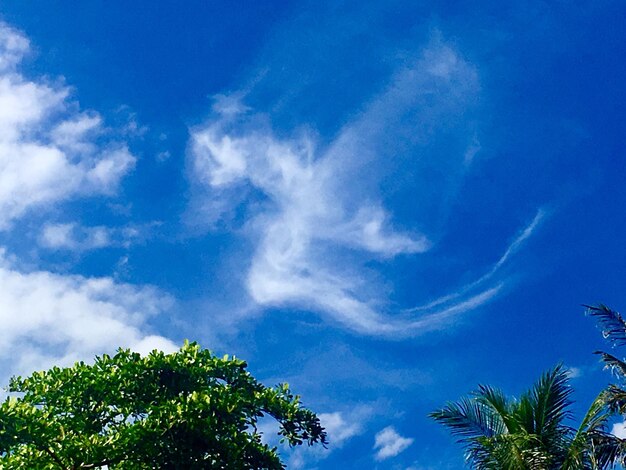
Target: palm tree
x=530 y=433
x=614 y=330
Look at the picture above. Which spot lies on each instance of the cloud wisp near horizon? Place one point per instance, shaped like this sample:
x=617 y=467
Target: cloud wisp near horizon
x=314 y=212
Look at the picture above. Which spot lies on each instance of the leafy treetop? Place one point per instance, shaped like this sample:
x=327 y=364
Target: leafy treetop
x=186 y=410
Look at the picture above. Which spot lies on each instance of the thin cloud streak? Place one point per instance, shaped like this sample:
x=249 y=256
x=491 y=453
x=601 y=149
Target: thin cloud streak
x=510 y=251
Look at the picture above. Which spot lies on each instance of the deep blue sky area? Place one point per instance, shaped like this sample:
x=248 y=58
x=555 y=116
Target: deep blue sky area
x=382 y=203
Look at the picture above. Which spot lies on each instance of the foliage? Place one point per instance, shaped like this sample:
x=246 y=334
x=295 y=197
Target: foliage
x=186 y=410
x=614 y=330
x=530 y=433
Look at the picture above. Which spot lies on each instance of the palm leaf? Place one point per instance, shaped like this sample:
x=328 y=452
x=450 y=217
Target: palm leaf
x=468 y=419
x=509 y=452
x=617 y=366
x=500 y=409
x=615 y=398
x=605 y=450
x=551 y=398
x=612 y=323
x=524 y=414
x=591 y=446
x=597 y=415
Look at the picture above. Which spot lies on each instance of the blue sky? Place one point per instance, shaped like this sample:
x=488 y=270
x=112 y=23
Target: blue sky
x=382 y=204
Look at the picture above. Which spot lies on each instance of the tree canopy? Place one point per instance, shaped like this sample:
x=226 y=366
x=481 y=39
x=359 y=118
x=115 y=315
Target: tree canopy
x=186 y=410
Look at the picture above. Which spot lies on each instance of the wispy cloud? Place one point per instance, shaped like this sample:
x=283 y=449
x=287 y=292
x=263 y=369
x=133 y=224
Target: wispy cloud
x=49 y=149
x=316 y=214
x=434 y=313
x=72 y=236
x=305 y=220
x=388 y=443
x=575 y=372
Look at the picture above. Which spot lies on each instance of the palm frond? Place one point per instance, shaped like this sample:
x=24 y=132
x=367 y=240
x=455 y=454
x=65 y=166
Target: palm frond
x=591 y=446
x=531 y=433
x=468 y=419
x=524 y=414
x=615 y=398
x=612 y=323
x=596 y=417
x=550 y=398
x=495 y=400
x=617 y=366
x=508 y=452
x=605 y=450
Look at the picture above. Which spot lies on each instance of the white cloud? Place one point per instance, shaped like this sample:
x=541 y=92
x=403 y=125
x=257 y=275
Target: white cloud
x=163 y=156
x=315 y=212
x=13 y=46
x=619 y=430
x=317 y=218
x=339 y=427
x=48 y=149
x=51 y=152
x=436 y=312
x=574 y=372
x=149 y=343
x=229 y=105
x=309 y=219
x=75 y=237
x=71 y=134
x=57 y=235
x=51 y=319
x=389 y=443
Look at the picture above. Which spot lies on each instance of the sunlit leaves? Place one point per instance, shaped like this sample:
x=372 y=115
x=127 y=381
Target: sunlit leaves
x=189 y=409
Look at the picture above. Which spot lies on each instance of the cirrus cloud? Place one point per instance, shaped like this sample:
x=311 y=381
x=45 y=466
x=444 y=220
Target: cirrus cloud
x=316 y=216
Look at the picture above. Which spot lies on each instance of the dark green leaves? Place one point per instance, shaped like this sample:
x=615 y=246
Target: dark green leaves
x=612 y=323
x=183 y=410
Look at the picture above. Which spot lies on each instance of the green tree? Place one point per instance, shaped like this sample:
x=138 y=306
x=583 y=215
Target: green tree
x=186 y=410
x=531 y=432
